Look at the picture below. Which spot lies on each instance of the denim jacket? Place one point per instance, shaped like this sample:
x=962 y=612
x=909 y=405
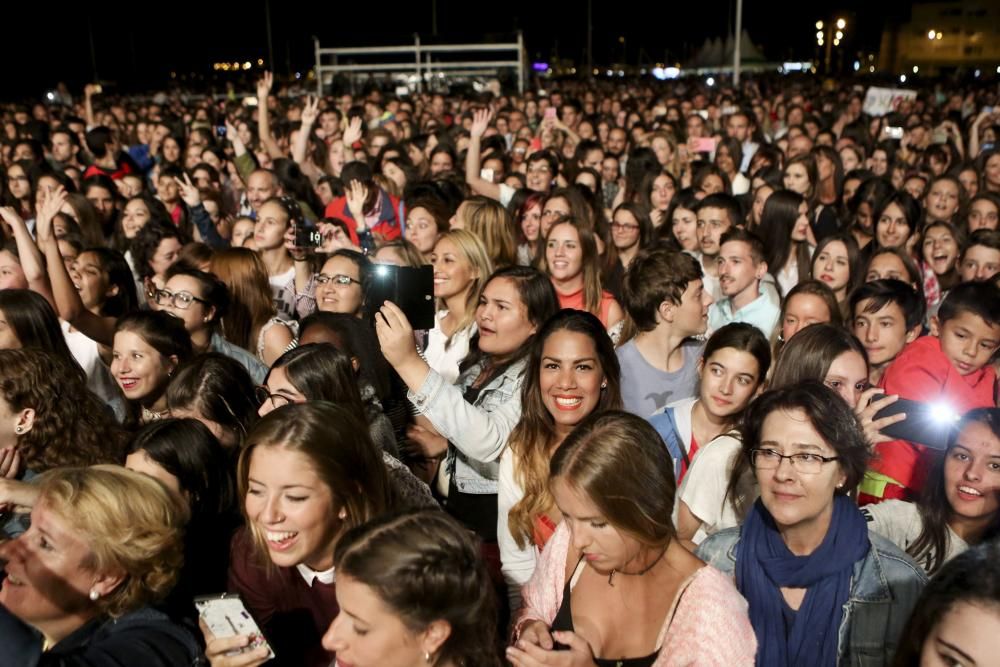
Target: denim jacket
x=477 y=431
x=884 y=588
x=255 y=368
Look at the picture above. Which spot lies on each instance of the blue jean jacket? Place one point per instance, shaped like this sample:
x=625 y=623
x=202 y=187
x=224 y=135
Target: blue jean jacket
x=884 y=588
x=478 y=432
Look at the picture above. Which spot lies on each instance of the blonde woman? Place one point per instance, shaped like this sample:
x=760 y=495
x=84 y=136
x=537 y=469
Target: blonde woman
x=461 y=264
x=491 y=222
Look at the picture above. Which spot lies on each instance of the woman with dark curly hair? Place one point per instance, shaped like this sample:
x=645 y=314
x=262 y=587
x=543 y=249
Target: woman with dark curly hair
x=54 y=420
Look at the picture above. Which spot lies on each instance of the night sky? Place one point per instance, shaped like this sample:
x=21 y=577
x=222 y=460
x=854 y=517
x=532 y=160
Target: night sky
x=138 y=44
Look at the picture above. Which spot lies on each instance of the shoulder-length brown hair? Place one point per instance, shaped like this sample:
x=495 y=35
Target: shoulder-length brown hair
x=592 y=290
x=338 y=445
x=251 y=303
x=618 y=461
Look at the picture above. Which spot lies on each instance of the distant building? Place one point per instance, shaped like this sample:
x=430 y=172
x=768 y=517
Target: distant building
x=943 y=37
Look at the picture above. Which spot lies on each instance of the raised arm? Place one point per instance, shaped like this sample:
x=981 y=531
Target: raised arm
x=480 y=121
x=68 y=302
x=309 y=114
x=32 y=262
x=267 y=141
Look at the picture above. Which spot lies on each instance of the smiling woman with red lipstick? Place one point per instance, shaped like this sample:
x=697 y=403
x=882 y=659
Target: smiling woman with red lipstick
x=572 y=372
x=960 y=506
x=148 y=347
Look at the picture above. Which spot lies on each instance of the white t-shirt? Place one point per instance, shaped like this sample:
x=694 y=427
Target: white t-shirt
x=446 y=359
x=899 y=522
x=704 y=486
x=99 y=378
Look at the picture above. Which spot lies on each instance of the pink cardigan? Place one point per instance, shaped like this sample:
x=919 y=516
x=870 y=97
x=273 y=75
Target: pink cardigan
x=710 y=626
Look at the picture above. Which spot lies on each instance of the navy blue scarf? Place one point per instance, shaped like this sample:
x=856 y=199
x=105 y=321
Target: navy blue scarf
x=764 y=565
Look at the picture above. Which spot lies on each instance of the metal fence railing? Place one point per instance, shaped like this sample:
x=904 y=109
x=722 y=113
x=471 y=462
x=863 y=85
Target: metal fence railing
x=424 y=62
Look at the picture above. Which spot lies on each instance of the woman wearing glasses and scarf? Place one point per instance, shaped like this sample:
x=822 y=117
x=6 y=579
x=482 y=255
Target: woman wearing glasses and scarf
x=821 y=591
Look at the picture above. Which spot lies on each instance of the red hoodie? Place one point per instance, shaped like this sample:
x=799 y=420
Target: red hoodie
x=922 y=372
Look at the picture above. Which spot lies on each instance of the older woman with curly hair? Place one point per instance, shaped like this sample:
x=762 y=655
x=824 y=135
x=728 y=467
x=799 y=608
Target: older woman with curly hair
x=105 y=543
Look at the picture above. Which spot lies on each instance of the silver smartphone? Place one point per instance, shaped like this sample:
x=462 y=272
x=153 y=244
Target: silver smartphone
x=226 y=616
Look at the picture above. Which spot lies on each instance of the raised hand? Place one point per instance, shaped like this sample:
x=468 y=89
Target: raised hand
x=310 y=111
x=47 y=210
x=357 y=194
x=189 y=192
x=264 y=87
x=353 y=132
x=481 y=120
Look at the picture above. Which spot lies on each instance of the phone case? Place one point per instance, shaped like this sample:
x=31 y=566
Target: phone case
x=226 y=616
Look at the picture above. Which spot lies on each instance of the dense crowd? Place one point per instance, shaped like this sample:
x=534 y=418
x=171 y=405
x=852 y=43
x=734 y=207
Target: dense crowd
x=676 y=407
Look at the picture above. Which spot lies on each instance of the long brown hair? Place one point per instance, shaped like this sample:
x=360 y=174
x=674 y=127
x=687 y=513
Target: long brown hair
x=339 y=447
x=251 y=304
x=592 y=290
x=532 y=439
x=617 y=460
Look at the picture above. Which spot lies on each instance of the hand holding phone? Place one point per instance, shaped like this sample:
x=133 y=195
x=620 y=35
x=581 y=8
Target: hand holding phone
x=410 y=288
x=704 y=145
x=229 y=629
x=928 y=424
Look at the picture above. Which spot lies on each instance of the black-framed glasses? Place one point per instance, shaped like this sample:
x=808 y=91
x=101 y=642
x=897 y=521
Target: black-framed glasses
x=624 y=226
x=339 y=279
x=264 y=395
x=809 y=464
x=179 y=300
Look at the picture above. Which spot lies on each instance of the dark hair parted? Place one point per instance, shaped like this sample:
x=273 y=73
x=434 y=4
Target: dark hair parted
x=533 y=437
x=426 y=567
x=187 y=450
x=745 y=338
x=321 y=372
x=218 y=388
x=617 y=459
x=972 y=577
x=655 y=276
x=810 y=352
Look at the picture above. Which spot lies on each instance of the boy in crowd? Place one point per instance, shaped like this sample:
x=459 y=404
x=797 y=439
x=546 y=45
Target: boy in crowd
x=741 y=268
x=980 y=258
x=886 y=316
x=663 y=293
x=716 y=215
x=951 y=365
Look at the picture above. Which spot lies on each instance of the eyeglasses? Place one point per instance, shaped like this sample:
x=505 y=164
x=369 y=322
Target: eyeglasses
x=808 y=464
x=179 y=300
x=339 y=279
x=624 y=226
x=264 y=395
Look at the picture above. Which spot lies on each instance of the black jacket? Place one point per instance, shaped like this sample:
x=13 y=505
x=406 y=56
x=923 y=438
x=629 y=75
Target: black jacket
x=145 y=637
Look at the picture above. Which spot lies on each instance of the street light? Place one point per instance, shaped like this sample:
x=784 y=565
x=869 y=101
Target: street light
x=931 y=34
x=819 y=25
x=841 y=24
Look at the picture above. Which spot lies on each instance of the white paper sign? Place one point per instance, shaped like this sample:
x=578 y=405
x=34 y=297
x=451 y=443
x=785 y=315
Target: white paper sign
x=880 y=101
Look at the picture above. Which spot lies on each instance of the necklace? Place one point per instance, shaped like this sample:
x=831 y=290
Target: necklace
x=151 y=416
x=636 y=574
